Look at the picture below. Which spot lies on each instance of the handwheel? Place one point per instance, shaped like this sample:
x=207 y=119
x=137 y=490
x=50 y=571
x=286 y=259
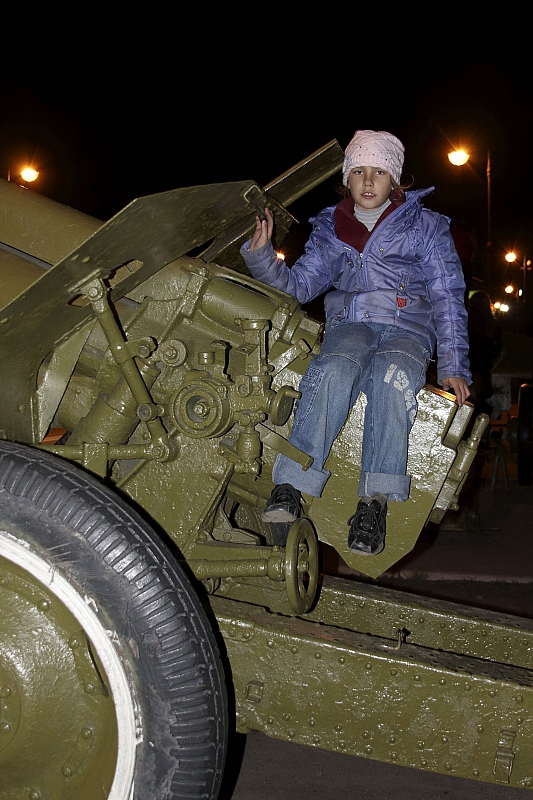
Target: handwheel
x=111 y=686
x=301 y=566
x=525 y=435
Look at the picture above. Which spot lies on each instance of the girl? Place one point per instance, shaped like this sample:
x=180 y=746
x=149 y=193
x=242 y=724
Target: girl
x=398 y=289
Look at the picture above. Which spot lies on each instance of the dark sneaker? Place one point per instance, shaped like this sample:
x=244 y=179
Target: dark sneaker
x=368 y=528
x=283 y=504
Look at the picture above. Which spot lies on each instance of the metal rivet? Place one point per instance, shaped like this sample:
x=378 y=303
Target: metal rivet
x=286 y=717
x=318 y=655
x=87 y=733
x=467 y=687
x=270 y=643
x=316 y=739
x=44 y=605
x=90 y=688
x=6 y=727
x=528 y=781
x=445 y=739
x=475 y=773
x=312 y=722
x=67 y=772
x=294 y=649
x=423 y=763
x=291 y=734
x=492 y=693
x=5 y=691
x=442 y=681
x=480 y=728
x=269 y=720
x=365 y=734
x=393 y=756
x=416 y=677
x=448 y=767
x=392 y=739
x=518 y=698
x=394 y=671
x=368 y=749
x=519 y=720
x=368 y=665
x=342 y=660
x=338 y=728
x=420 y=745
x=35 y=795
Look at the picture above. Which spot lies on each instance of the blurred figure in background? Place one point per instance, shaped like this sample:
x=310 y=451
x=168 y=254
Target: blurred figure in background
x=485 y=337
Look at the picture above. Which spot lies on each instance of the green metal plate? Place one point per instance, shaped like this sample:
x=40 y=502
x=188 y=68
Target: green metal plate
x=150 y=232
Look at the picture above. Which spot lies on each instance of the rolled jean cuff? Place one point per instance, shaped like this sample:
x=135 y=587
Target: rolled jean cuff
x=310 y=481
x=396 y=487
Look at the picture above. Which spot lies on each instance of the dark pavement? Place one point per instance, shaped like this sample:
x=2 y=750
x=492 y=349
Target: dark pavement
x=481 y=555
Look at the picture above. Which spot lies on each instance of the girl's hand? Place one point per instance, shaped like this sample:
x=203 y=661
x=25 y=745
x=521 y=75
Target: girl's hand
x=459 y=387
x=263 y=230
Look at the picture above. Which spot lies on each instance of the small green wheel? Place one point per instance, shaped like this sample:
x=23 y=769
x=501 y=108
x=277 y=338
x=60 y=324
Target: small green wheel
x=301 y=566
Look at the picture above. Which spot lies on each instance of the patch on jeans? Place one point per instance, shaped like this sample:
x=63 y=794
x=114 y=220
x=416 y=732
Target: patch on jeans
x=390 y=372
x=401 y=382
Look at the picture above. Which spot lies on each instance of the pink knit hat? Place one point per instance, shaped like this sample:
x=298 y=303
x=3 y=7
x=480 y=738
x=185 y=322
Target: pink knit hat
x=374 y=149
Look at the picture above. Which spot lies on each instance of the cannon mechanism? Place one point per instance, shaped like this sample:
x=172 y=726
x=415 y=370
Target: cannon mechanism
x=147 y=358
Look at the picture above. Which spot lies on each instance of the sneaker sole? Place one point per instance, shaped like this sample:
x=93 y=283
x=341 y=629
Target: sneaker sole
x=278 y=515
x=360 y=552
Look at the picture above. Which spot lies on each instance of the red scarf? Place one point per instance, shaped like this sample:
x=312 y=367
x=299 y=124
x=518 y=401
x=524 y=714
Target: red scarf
x=353 y=232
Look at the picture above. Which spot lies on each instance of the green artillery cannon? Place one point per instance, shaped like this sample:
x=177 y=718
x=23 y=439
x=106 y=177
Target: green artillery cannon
x=146 y=386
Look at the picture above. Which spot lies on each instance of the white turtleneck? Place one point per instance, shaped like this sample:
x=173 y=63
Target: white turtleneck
x=370 y=216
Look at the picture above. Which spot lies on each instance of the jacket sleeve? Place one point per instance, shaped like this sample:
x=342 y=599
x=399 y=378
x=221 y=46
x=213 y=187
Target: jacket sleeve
x=307 y=279
x=446 y=289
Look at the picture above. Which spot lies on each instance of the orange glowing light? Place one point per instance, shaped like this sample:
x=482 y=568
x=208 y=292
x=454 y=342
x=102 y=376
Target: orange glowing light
x=29 y=174
x=458 y=157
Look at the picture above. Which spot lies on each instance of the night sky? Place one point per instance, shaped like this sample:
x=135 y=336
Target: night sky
x=190 y=106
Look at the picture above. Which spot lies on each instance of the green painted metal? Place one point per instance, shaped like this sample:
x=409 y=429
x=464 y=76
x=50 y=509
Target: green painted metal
x=58 y=730
x=175 y=378
x=370 y=696
x=37 y=228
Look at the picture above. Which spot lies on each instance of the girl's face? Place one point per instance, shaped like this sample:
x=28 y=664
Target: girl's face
x=369 y=187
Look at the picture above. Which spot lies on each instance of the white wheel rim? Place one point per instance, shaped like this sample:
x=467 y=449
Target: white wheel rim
x=19 y=552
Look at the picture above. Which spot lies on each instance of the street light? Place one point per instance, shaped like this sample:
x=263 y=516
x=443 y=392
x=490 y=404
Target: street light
x=459 y=158
x=28 y=174
x=511 y=257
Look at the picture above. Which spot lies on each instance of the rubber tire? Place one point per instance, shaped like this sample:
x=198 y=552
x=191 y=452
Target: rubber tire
x=525 y=435
x=107 y=552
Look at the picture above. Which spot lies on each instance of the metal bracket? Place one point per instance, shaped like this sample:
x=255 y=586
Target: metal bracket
x=503 y=763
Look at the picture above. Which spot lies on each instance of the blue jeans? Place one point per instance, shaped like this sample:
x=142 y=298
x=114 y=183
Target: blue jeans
x=389 y=365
